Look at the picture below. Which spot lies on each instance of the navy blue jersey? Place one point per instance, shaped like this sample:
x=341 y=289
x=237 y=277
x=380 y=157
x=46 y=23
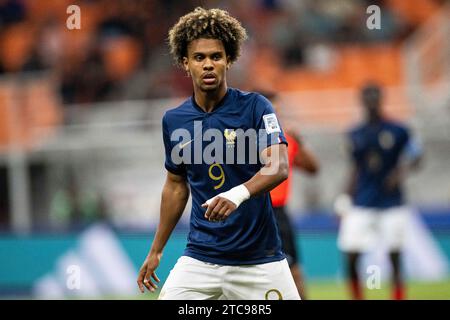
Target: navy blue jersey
x=376 y=150
x=249 y=235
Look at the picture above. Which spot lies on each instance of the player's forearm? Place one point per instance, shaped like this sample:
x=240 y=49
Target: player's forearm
x=173 y=202
x=267 y=178
x=411 y=165
x=306 y=161
x=351 y=184
x=274 y=172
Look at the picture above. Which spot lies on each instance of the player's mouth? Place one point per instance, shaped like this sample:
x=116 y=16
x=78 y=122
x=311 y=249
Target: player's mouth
x=209 y=78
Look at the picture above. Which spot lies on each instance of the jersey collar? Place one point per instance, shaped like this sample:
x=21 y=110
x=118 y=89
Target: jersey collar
x=221 y=103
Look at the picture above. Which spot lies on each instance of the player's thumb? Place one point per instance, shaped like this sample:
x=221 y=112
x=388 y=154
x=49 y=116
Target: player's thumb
x=208 y=202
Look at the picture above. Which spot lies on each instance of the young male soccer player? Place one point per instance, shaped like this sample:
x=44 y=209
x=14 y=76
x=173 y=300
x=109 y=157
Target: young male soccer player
x=302 y=158
x=382 y=152
x=233 y=249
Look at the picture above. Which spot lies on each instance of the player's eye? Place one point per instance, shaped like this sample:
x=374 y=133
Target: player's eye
x=198 y=57
x=217 y=57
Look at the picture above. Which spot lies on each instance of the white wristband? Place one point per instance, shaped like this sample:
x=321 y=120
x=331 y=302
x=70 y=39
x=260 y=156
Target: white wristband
x=237 y=195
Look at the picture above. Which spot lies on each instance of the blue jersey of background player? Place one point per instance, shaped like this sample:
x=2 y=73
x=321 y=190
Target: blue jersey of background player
x=377 y=149
x=249 y=235
x=381 y=151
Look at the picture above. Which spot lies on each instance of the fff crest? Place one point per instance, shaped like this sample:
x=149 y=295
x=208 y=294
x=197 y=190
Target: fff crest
x=230 y=136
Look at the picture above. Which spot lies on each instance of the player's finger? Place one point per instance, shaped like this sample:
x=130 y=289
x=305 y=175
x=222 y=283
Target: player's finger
x=147 y=282
x=154 y=276
x=221 y=214
x=227 y=213
x=140 y=280
x=208 y=202
x=215 y=211
x=150 y=282
x=153 y=285
x=211 y=207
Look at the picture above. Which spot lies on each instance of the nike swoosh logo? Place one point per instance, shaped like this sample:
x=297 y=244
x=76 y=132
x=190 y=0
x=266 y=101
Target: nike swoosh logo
x=182 y=145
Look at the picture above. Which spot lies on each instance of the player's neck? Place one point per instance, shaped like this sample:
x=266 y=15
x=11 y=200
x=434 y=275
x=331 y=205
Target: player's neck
x=208 y=100
x=374 y=120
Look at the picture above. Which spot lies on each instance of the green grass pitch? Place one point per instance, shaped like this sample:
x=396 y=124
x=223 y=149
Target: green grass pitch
x=337 y=290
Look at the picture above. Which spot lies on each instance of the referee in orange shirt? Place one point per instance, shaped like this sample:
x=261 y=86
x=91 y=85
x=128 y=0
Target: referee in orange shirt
x=303 y=159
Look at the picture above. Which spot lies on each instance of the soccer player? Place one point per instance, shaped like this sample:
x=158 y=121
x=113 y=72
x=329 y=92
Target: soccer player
x=302 y=158
x=382 y=152
x=233 y=250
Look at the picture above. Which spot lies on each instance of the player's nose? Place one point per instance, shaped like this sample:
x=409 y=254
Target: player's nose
x=208 y=65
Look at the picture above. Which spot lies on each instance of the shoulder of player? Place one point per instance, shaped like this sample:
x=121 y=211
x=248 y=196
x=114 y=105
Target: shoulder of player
x=259 y=101
x=356 y=129
x=251 y=104
x=178 y=111
x=184 y=106
x=249 y=98
x=396 y=126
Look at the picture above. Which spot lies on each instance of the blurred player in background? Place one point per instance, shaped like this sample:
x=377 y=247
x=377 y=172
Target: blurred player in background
x=233 y=250
x=382 y=153
x=302 y=158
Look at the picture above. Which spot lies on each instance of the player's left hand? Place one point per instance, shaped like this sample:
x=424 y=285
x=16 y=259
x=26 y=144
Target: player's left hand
x=219 y=209
x=393 y=180
x=147 y=272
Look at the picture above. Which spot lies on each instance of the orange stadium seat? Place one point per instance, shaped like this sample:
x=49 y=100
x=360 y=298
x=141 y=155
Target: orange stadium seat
x=416 y=11
x=354 y=65
x=5 y=95
x=378 y=62
x=37 y=112
x=39 y=11
x=16 y=43
x=314 y=100
x=121 y=56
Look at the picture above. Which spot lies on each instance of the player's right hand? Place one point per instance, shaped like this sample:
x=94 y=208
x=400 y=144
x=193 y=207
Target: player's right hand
x=147 y=272
x=342 y=204
x=218 y=209
x=393 y=180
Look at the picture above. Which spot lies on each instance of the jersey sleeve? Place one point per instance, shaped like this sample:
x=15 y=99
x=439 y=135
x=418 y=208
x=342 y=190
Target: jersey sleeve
x=350 y=146
x=412 y=148
x=267 y=125
x=170 y=165
x=358 y=147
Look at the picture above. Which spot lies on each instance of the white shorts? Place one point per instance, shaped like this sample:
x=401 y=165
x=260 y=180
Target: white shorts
x=192 y=279
x=363 y=229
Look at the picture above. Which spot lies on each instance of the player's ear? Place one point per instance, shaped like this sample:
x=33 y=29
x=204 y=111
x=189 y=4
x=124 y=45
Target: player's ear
x=228 y=62
x=185 y=64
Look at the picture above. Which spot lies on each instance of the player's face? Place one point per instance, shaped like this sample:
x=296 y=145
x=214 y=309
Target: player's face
x=207 y=64
x=372 y=103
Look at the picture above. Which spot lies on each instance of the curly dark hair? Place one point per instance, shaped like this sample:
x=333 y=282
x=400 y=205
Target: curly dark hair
x=209 y=24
